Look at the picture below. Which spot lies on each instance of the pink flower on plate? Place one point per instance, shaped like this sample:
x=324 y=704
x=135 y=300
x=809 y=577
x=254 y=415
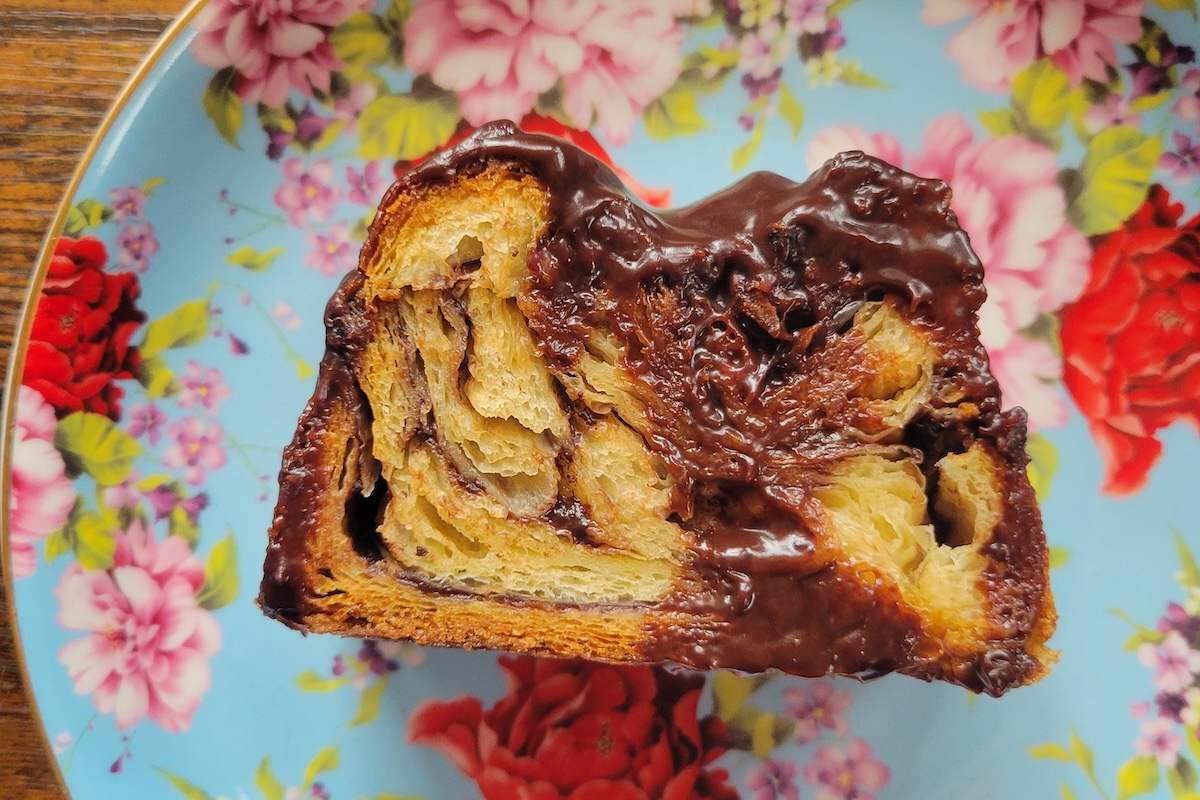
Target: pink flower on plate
x=197 y=448
x=1008 y=201
x=308 y=192
x=333 y=253
x=368 y=186
x=1159 y=740
x=1173 y=660
x=275 y=45
x=1001 y=39
x=202 y=386
x=849 y=775
x=609 y=58
x=147 y=645
x=42 y=495
x=774 y=780
x=819 y=707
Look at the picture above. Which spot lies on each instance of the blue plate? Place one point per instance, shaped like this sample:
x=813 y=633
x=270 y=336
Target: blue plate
x=175 y=323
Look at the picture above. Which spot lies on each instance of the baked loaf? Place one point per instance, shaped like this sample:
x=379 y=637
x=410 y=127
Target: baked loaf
x=757 y=432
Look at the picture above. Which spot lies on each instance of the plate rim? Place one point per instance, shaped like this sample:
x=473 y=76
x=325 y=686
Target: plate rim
x=20 y=342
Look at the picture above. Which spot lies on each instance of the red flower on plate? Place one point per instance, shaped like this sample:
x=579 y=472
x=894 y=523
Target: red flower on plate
x=536 y=123
x=1131 y=342
x=579 y=730
x=80 y=341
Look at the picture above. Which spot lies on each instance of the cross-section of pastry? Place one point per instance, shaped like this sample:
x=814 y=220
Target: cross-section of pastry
x=756 y=432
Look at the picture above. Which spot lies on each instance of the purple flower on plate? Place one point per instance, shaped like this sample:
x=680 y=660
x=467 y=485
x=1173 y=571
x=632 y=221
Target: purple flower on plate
x=1184 y=161
x=366 y=187
x=127 y=203
x=308 y=193
x=1173 y=660
x=196 y=449
x=1116 y=110
x=1178 y=619
x=1160 y=740
x=136 y=243
x=334 y=253
x=851 y=774
x=774 y=780
x=349 y=108
x=806 y=16
x=145 y=419
x=1187 y=107
x=305 y=129
x=202 y=386
x=816 y=708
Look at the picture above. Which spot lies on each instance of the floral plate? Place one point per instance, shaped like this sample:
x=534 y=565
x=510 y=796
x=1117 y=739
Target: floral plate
x=176 y=320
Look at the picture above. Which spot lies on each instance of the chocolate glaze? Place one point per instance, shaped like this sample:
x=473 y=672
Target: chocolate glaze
x=732 y=315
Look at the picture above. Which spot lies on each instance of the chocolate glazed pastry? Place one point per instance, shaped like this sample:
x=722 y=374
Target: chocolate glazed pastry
x=757 y=432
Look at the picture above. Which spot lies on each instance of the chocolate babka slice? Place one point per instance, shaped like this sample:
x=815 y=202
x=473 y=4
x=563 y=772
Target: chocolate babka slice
x=756 y=432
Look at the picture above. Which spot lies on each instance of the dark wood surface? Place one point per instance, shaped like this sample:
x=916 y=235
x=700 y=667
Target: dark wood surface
x=64 y=61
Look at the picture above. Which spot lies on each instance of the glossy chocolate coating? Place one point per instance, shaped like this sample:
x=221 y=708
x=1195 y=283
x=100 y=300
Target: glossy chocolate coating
x=726 y=311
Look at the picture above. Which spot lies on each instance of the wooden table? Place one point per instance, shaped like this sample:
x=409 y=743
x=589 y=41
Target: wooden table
x=64 y=62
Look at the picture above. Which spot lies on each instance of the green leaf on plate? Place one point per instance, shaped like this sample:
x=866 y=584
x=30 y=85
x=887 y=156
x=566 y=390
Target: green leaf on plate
x=675 y=113
x=1114 y=178
x=731 y=690
x=220 y=576
x=719 y=57
x=180 y=524
x=94 y=212
x=851 y=73
x=1181 y=780
x=1141 y=634
x=223 y=106
x=185 y=788
x=406 y=127
x=1043 y=464
x=57 y=544
x=187 y=325
x=1189 y=570
x=1059 y=556
x=1136 y=777
x=151 y=184
x=254 y=260
x=790 y=109
x=156 y=377
x=1067 y=794
x=998 y=122
x=270 y=786
x=742 y=155
x=1041 y=99
x=311 y=681
x=361 y=41
x=369 y=701
x=323 y=761
x=1050 y=750
x=94 y=444
x=93 y=539
x=1082 y=754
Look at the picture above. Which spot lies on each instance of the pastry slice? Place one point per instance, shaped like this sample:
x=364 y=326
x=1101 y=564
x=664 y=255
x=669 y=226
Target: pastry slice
x=756 y=433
